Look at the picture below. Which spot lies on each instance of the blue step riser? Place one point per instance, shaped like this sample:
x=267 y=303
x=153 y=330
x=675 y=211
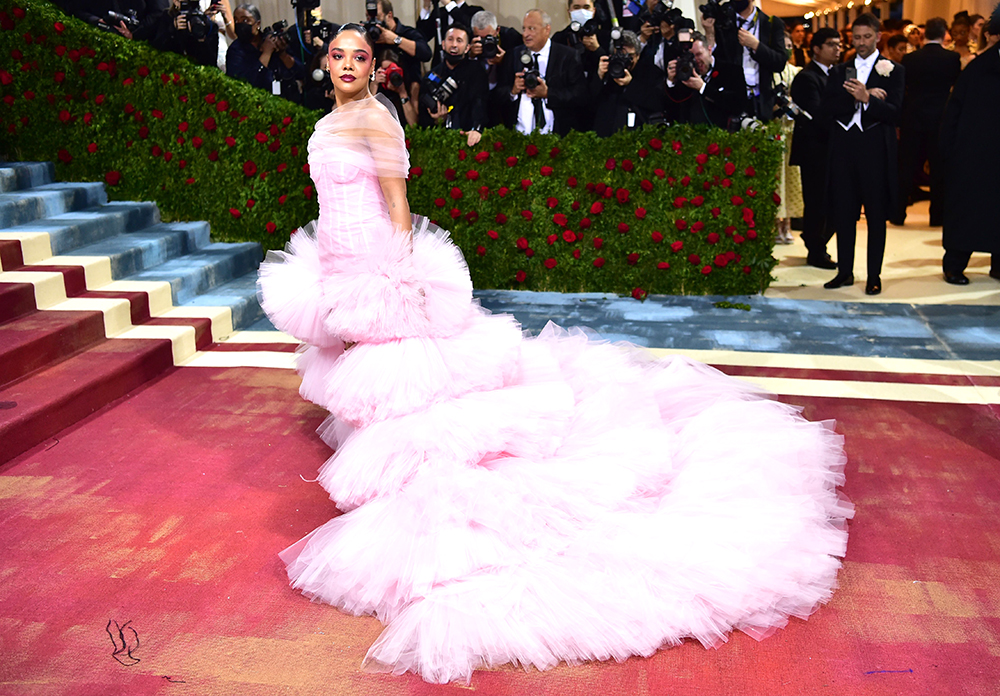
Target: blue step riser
x=143 y=250
x=209 y=268
x=240 y=295
x=16 y=176
x=91 y=226
x=22 y=207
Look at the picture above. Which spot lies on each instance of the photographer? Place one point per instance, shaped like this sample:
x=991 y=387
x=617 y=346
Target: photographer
x=310 y=34
x=587 y=35
x=435 y=19
x=613 y=89
x=186 y=30
x=549 y=85
x=743 y=36
x=317 y=91
x=406 y=41
x=455 y=90
x=133 y=19
x=705 y=90
x=259 y=57
x=491 y=44
x=392 y=85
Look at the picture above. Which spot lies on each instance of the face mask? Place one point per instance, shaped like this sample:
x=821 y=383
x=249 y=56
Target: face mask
x=453 y=60
x=581 y=16
x=740 y=5
x=244 y=32
x=788 y=53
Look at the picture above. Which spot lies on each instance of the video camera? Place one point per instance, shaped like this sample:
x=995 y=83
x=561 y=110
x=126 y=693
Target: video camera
x=723 y=13
x=531 y=74
x=784 y=106
x=198 y=23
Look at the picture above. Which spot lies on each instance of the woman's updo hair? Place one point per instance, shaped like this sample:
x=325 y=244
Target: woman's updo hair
x=251 y=8
x=353 y=26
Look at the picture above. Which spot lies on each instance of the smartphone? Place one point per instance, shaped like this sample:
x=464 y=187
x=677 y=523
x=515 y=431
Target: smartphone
x=851 y=73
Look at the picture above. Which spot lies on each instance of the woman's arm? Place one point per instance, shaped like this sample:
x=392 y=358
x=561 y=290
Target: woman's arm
x=394 y=191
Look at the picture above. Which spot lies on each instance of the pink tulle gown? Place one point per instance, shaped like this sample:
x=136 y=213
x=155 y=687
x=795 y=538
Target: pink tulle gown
x=527 y=500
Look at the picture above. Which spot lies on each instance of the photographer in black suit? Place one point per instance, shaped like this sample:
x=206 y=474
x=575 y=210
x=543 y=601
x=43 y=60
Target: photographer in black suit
x=616 y=95
x=196 y=37
x=409 y=43
x=587 y=33
x=811 y=143
x=930 y=73
x=491 y=48
x=437 y=15
x=714 y=93
x=753 y=42
x=548 y=85
x=864 y=97
x=454 y=92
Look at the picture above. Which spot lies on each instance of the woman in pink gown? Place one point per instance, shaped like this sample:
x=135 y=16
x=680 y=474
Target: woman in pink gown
x=524 y=500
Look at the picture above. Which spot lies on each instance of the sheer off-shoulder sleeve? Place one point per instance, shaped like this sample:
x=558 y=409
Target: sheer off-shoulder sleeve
x=366 y=132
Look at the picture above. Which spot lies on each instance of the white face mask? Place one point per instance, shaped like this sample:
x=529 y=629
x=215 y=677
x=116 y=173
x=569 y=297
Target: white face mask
x=581 y=16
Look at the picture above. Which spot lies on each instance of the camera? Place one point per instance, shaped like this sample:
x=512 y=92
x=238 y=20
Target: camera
x=372 y=26
x=491 y=46
x=784 y=106
x=279 y=30
x=437 y=90
x=393 y=75
x=198 y=24
x=531 y=75
x=130 y=19
x=620 y=61
x=588 y=28
x=723 y=14
x=661 y=12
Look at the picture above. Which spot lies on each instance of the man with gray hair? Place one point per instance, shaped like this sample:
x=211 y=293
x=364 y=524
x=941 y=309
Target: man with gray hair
x=490 y=47
x=545 y=83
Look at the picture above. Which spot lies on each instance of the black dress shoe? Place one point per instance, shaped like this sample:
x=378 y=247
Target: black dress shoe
x=873 y=286
x=840 y=281
x=995 y=273
x=956 y=278
x=898 y=222
x=823 y=261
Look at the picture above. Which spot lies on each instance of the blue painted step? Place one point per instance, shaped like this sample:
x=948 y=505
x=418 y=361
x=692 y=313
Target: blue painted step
x=72 y=230
x=145 y=249
x=15 y=176
x=240 y=295
x=203 y=270
x=19 y=207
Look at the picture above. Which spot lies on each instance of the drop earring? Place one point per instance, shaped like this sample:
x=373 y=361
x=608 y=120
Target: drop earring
x=371 y=77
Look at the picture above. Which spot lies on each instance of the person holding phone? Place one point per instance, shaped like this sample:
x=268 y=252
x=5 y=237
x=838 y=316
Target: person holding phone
x=864 y=99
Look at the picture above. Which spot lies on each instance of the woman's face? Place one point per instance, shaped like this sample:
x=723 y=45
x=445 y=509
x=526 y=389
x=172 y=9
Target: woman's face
x=960 y=33
x=241 y=16
x=350 y=63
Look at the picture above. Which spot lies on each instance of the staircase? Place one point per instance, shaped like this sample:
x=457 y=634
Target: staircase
x=98 y=298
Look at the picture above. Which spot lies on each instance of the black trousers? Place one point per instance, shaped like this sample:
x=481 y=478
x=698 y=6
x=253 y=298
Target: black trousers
x=915 y=146
x=816 y=230
x=956 y=261
x=859 y=177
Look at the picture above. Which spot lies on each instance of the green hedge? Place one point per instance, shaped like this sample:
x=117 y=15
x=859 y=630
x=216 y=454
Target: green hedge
x=675 y=210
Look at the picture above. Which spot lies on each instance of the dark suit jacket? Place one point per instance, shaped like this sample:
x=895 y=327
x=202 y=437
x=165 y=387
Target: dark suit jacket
x=811 y=138
x=461 y=15
x=498 y=103
x=564 y=77
x=969 y=133
x=884 y=115
x=930 y=74
x=723 y=98
x=91 y=11
x=770 y=56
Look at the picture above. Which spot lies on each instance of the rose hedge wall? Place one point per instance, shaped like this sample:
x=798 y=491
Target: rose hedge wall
x=677 y=210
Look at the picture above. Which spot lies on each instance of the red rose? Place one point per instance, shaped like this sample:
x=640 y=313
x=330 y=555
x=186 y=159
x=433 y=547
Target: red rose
x=484 y=192
x=449 y=174
x=707 y=185
x=503 y=191
x=677 y=146
x=64 y=156
x=92 y=148
x=525 y=183
x=168 y=156
x=575 y=205
x=776 y=198
x=520 y=276
x=713 y=237
x=113 y=178
x=455 y=213
x=560 y=219
x=127 y=81
x=751 y=234
x=129 y=109
x=627 y=165
x=492 y=234
x=659 y=173
x=501 y=219
x=210 y=98
x=736 y=200
x=482 y=156
x=731 y=255
x=713 y=149
x=748 y=216
x=551 y=202
x=746 y=270
x=657 y=237
x=721 y=260
x=282 y=198
x=261 y=137
x=439 y=202
x=511 y=161
x=706 y=270
x=182 y=126
x=156 y=151
x=521 y=243
x=143 y=132
x=698 y=226
x=576 y=253
x=554 y=152
x=461 y=155
x=646 y=185
x=584 y=223
x=29 y=95
x=235 y=213
x=531 y=150
x=598 y=242
x=610 y=164
x=751 y=193
x=249 y=168
x=716 y=212
x=180 y=140
x=643 y=152
x=251 y=203
x=750 y=171
x=571 y=182
x=471 y=216
x=527 y=214
x=694 y=259
x=702 y=158
x=65 y=116
x=529 y=252
x=547 y=170
x=680 y=201
x=632 y=259
x=726 y=183
x=196 y=142
x=623 y=227
x=685 y=181
x=597 y=208
x=569 y=236
x=209 y=124
x=281 y=167
x=730 y=168
x=598 y=262
x=697 y=201
x=308 y=192
x=681 y=224
x=640 y=213
x=663 y=265
x=676 y=246
x=639 y=293
x=230 y=141
x=622 y=195
x=455 y=193
x=738 y=239
x=271 y=228
x=481 y=250
x=656 y=144
x=601 y=188
x=550 y=263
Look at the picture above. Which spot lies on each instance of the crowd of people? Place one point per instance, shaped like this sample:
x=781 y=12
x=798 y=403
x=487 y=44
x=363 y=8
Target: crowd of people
x=880 y=88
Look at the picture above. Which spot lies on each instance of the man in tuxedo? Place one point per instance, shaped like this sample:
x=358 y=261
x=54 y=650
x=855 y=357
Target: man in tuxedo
x=582 y=14
x=800 y=51
x=757 y=45
x=811 y=143
x=617 y=99
x=484 y=24
x=930 y=74
x=465 y=110
x=714 y=94
x=969 y=133
x=437 y=15
x=549 y=106
x=864 y=98
x=409 y=42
